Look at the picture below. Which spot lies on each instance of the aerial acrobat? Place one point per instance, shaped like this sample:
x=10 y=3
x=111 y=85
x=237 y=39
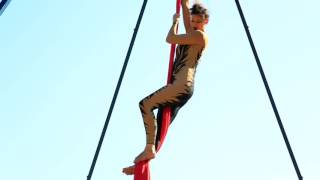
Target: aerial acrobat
x=175 y=94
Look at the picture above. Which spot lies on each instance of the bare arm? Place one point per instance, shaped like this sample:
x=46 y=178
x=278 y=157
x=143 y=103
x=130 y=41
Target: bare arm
x=193 y=37
x=186 y=15
x=173 y=30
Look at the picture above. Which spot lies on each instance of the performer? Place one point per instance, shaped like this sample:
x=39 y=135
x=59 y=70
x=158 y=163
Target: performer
x=176 y=94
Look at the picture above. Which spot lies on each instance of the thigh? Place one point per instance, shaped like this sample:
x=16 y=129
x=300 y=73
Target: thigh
x=169 y=95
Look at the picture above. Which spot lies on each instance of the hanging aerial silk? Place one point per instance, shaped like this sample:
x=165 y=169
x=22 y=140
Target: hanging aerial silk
x=142 y=170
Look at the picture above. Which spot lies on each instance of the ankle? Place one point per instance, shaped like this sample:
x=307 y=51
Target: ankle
x=150 y=147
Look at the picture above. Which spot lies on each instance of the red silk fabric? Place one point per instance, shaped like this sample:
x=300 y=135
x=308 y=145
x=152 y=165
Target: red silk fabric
x=142 y=170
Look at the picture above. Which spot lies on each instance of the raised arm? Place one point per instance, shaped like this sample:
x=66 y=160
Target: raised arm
x=193 y=37
x=186 y=15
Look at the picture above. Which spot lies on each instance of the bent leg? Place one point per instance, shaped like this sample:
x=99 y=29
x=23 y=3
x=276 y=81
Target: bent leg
x=170 y=95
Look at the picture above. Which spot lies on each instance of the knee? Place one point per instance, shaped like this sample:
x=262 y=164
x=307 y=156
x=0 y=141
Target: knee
x=143 y=104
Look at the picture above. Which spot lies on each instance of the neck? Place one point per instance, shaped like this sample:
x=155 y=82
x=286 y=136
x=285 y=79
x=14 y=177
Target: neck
x=201 y=29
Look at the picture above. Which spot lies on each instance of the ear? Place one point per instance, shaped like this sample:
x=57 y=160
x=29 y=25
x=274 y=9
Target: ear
x=206 y=21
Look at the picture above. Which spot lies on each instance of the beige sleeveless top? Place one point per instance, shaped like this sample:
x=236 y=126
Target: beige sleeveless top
x=185 y=64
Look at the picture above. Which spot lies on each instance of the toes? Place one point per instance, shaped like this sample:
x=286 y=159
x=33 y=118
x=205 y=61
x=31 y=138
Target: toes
x=128 y=170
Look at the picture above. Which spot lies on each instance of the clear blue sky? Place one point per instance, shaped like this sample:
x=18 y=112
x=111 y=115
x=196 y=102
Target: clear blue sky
x=60 y=61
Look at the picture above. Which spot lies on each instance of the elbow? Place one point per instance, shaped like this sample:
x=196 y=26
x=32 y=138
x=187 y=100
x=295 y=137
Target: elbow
x=169 y=40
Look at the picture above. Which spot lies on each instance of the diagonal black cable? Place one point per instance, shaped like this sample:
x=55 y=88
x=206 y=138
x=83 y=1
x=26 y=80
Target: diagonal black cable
x=269 y=92
x=117 y=90
x=3 y=5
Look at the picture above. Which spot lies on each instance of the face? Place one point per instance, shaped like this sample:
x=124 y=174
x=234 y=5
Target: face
x=197 y=22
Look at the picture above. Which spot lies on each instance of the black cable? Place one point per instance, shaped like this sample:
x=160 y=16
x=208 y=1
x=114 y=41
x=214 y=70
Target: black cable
x=3 y=5
x=117 y=90
x=269 y=92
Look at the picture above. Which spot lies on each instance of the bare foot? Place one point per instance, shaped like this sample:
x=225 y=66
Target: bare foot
x=128 y=170
x=148 y=153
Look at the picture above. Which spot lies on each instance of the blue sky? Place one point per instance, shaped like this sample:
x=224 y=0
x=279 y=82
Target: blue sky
x=60 y=62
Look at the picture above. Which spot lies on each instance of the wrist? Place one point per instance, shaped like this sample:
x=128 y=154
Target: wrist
x=184 y=2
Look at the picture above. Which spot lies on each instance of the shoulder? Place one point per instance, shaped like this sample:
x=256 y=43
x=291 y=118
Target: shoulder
x=202 y=36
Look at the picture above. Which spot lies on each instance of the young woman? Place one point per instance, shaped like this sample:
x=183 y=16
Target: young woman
x=176 y=94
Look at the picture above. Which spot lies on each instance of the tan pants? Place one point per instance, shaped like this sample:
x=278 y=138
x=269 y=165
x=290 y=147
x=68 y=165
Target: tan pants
x=173 y=95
